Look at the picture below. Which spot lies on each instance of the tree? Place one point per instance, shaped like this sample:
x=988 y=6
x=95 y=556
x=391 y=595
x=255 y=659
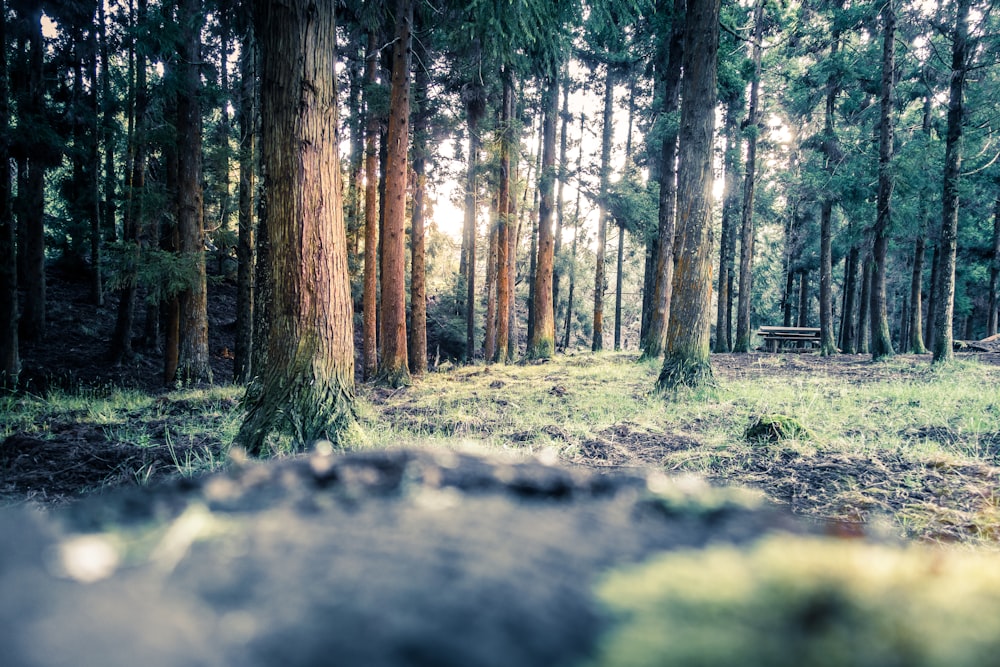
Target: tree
x=31 y=242
x=542 y=343
x=247 y=120
x=881 y=343
x=743 y=333
x=994 y=307
x=193 y=359
x=306 y=386
x=600 y=280
x=394 y=368
x=652 y=345
x=369 y=308
x=421 y=153
x=10 y=362
x=686 y=362
x=961 y=49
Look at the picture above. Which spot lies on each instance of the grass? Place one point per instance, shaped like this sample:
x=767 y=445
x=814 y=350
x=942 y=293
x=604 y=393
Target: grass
x=898 y=438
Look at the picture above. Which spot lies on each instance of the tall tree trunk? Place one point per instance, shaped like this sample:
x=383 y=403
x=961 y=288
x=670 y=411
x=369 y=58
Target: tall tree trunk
x=394 y=368
x=369 y=308
x=619 y=265
x=576 y=238
x=306 y=386
x=565 y=117
x=743 y=333
x=93 y=171
x=945 y=300
x=243 y=354
x=663 y=278
x=832 y=155
x=533 y=253
x=916 y=338
x=474 y=111
x=121 y=339
x=543 y=339
x=505 y=220
x=727 y=238
x=849 y=317
x=864 y=309
x=881 y=337
x=418 y=291
x=490 y=336
x=600 y=281
x=109 y=208
x=193 y=360
x=686 y=362
x=994 y=306
x=32 y=220
x=10 y=360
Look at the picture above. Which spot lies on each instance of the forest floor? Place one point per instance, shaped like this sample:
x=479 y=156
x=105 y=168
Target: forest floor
x=896 y=446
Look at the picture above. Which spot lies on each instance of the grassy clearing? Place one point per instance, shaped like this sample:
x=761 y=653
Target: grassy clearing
x=898 y=442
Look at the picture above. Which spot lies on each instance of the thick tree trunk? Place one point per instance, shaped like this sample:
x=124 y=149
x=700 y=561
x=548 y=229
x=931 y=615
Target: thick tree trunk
x=473 y=112
x=505 y=221
x=418 y=291
x=32 y=219
x=948 y=240
x=663 y=274
x=10 y=360
x=543 y=340
x=686 y=362
x=394 y=367
x=193 y=360
x=832 y=154
x=565 y=117
x=121 y=338
x=600 y=281
x=369 y=307
x=306 y=387
x=243 y=353
x=576 y=238
x=727 y=238
x=881 y=337
x=743 y=333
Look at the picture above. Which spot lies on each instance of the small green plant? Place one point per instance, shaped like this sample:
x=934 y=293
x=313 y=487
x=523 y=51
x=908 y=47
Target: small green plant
x=775 y=428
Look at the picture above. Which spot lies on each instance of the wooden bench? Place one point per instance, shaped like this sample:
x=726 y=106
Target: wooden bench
x=775 y=337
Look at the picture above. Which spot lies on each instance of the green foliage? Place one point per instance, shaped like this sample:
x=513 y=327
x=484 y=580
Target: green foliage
x=634 y=204
x=775 y=428
x=162 y=273
x=805 y=601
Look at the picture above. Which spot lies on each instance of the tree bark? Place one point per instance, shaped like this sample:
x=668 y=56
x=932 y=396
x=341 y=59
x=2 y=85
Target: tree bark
x=110 y=102
x=686 y=362
x=306 y=387
x=505 y=220
x=659 y=315
x=418 y=291
x=473 y=111
x=727 y=240
x=848 y=319
x=803 y=320
x=121 y=338
x=193 y=360
x=32 y=220
x=543 y=339
x=832 y=155
x=369 y=308
x=576 y=238
x=600 y=281
x=753 y=124
x=565 y=118
x=10 y=360
x=864 y=309
x=994 y=306
x=948 y=241
x=881 y=343
x=243 y=352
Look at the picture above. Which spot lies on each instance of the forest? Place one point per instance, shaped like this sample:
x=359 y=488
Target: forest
x=436 y=332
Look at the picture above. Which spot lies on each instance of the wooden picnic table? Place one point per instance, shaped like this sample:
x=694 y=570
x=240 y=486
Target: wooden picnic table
x=775 y=337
